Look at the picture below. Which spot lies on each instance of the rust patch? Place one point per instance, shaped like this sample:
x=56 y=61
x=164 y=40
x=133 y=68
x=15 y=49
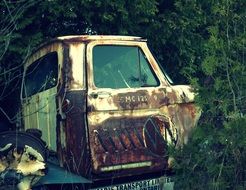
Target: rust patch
x=128 y=140
x=158 y=133
x=192 y=110
x=76 y=150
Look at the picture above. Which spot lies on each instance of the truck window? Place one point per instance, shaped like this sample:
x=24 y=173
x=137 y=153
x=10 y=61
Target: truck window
x=117 y=66
x=41 y=75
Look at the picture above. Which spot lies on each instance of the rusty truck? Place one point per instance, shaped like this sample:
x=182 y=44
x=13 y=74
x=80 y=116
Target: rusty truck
x=98 y=112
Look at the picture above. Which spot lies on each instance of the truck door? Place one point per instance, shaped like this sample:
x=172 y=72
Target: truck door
x=127 y=130
x=39 y=90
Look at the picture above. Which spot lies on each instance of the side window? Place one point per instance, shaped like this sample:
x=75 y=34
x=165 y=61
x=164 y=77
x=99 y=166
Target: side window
x=41 y=75
x=121 y=67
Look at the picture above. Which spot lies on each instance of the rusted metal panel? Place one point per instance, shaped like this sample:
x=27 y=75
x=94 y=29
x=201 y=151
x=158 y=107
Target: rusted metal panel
x=77 y=157
x=120 y=138
x=86 y=38
x=71 y=127
x=76 y=58
x=131 y=127
x=185 y=117
x=124 y=140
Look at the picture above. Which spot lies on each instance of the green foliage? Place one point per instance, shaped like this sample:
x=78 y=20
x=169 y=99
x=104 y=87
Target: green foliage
x=224 y=62
x=214 y=158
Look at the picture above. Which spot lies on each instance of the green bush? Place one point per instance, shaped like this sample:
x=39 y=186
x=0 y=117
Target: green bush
x=214 y=158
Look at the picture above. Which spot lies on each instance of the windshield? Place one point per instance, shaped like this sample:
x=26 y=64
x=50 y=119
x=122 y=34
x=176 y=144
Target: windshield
x=119 y=66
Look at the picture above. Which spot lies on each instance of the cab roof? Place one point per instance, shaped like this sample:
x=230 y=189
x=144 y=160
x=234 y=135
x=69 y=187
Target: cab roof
x=87 y=38
x=99 y=37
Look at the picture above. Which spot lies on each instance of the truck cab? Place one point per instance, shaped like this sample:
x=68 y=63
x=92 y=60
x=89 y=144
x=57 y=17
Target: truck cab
x=105 y=108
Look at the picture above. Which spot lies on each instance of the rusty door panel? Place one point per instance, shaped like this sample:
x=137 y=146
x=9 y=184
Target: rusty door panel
x=76 y=135
x=72 y=141
x=122 y=140
x=130 y=128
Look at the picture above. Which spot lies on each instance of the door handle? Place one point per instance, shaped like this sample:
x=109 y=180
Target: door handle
x=101 y=94
x=93 y=95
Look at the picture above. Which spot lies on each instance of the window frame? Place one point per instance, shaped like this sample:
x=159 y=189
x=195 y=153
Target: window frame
x=32 y=63
x=142 y=45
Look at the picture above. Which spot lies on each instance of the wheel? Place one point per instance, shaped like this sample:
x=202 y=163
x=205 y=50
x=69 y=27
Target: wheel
x=22 y=159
